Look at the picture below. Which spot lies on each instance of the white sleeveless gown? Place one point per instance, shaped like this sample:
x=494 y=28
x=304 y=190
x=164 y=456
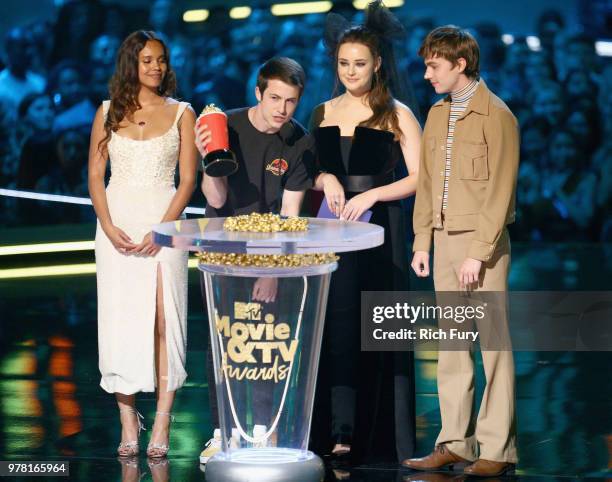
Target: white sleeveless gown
x=139 y=193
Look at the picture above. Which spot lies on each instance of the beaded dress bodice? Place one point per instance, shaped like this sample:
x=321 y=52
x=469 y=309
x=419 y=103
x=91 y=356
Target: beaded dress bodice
x=147 y=163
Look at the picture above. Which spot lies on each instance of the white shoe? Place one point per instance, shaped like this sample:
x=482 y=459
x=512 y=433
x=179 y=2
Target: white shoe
x=258 y=432
x=212 y=447
x=235 y=440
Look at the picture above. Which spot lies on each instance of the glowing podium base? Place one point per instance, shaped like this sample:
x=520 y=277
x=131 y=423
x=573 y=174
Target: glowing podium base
x=266 y=326
x=271 y=465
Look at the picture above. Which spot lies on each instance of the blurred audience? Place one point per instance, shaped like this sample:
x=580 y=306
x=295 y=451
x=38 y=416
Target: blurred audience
x=17 y=79
x=55 y=75
x=38 y=154
x=68 y=87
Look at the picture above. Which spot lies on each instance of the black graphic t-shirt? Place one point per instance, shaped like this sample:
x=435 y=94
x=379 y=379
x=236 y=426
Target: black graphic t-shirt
x=267 y=165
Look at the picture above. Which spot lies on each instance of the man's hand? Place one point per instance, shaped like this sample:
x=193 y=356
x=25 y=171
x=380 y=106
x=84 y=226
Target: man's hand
x=420 y=263
x=265 y=289
x=202 y=138
x=469 y=273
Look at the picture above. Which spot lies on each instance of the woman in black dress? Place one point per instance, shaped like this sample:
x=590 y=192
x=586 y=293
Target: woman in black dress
x=365 y=401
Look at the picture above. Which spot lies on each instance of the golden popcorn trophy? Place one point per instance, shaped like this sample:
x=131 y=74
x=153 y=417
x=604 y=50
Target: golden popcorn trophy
x=219 y=160
x=267 y=280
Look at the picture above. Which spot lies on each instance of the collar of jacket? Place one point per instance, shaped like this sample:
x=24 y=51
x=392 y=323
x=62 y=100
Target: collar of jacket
x=479 y=103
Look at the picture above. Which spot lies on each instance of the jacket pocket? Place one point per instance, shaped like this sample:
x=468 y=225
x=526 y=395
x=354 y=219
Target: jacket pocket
x=473 y=162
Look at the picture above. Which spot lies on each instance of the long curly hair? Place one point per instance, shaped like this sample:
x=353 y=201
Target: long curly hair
x=124 y=85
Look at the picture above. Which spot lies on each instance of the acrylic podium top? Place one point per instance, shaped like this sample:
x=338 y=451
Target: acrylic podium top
x=323 y=236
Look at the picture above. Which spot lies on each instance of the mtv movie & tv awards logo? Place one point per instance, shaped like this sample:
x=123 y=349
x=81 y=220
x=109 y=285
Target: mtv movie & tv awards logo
x=255 y=348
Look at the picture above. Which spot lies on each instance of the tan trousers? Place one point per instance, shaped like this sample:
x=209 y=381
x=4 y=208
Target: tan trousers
x=493 y=436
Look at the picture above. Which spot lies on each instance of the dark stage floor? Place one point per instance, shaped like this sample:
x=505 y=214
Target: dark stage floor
x=51 y=407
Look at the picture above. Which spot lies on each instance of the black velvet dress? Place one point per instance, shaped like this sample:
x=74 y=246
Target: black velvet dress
x=365 y=399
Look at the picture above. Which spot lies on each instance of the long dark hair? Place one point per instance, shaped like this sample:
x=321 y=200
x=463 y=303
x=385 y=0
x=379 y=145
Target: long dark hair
x=380 y=98
x=380 y=29
x=124 y=84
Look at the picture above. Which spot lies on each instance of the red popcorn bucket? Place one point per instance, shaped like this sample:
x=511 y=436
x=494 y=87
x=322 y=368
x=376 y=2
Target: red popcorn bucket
x=219 y=160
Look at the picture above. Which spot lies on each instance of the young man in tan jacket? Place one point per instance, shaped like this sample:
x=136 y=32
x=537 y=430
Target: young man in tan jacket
x=465 y=198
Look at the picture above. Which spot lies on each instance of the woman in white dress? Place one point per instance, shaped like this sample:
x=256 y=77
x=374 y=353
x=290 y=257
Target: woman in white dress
x=142 y=288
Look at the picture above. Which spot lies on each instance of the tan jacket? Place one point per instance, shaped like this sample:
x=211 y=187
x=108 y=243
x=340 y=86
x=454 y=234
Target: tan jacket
x=482 y=182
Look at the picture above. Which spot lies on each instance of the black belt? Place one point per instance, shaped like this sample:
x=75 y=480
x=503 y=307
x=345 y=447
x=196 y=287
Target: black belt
x=365 y=183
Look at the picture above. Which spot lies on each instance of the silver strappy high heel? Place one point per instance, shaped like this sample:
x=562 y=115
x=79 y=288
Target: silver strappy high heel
x=156 y=450
x=131 y=448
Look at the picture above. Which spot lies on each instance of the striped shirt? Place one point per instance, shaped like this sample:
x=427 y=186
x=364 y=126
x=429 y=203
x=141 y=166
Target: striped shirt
x=459 y=102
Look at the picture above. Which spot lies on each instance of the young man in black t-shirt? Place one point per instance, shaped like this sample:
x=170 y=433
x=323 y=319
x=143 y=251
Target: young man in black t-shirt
x=275 y=158
x=272 y=175
x=274 y=152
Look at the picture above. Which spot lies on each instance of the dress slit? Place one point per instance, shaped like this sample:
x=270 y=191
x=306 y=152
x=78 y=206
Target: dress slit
x=167 y=302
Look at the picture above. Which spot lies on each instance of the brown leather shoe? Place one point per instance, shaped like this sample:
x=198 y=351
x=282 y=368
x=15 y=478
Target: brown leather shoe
x=489 y=468
x=440 y=458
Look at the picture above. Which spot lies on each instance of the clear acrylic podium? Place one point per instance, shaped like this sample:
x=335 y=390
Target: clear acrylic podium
x=266 y=353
